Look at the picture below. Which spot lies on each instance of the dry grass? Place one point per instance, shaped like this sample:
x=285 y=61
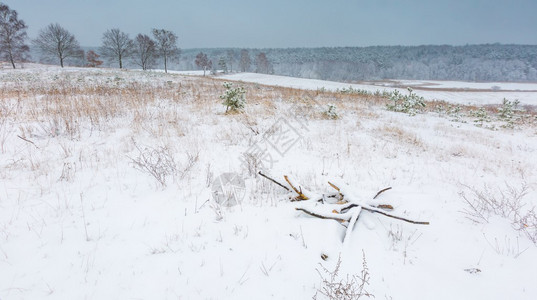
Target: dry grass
x=399 y=135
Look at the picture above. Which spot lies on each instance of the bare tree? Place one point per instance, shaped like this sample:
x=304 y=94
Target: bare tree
x=222 y=64
x=166 y=45
x=144 y=51
x=230 y=59
x=262 y=64
x=203 y=62
x=116 y=45
x=55 y=41
x=12 y=36
x=245 y=61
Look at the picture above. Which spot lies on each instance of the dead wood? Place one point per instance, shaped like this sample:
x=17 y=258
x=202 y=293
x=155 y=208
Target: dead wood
x=273 y=180
x=395 y=217
x=325 y=217
x=382 y=191
x=346 y=216
x=300 y=196
x=346 y=211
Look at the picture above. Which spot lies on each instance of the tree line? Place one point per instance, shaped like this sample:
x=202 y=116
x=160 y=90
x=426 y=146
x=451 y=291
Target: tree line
x=485 y=62
x=225 y=62
x=54 y=42
x=489 y=62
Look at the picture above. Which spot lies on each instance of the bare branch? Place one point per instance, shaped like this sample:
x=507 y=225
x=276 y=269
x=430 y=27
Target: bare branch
x=300 y=196
x=382 y=191
x=273 y=180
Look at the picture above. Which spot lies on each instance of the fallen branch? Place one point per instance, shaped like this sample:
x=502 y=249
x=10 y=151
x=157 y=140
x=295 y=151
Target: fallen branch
x=346 y=211
x=345 y=216
x=395 y=217
x=273 y=180
x=332 y=216
x=382 y=191
x=300 y=196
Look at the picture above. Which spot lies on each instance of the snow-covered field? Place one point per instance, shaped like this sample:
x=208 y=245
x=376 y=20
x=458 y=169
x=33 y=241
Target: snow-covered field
x=450 y=91
x=107 y=182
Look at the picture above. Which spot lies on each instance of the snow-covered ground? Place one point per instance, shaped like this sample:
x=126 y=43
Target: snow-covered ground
x=80 y=218
x=450 y=91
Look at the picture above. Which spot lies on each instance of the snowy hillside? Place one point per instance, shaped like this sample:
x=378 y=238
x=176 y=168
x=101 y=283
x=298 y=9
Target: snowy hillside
x=111 y=187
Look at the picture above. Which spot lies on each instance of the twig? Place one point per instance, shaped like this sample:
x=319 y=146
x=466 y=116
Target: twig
x=276 y=182
x=382 y=191
x=26 y=140
x=84 y=217
x=384 y=206
x=337 y=189
x=334 y=186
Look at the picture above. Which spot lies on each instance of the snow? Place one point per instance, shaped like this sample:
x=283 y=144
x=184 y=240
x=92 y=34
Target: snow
x=450 y=91
x=79 y=221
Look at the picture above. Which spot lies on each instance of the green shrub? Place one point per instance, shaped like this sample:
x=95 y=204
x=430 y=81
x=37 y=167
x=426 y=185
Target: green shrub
x=507 y=112
x=410 y=104
x=233 y=97
x=331 y=112
x=481 y=117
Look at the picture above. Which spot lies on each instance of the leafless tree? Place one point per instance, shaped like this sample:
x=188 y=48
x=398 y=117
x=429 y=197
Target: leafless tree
x=116 y=45
x=203 y=62
x=55 y=41
x=12 y=36
x=262 y=64
x=230 y=59
x=144 y=51
x=245 y=61
x=166 y=45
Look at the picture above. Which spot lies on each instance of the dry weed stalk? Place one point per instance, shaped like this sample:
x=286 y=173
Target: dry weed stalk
x=334 y=287
x=506 y=203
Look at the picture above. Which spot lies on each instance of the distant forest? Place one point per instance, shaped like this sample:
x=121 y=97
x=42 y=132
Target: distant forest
x=490 y=62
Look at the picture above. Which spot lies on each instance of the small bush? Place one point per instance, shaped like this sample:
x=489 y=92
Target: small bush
x=481 y=117
x=410 y=104
x=506 y=203
x=158 y=162
x=352 y=91
x=233 y=97
x=331 y=112
x=507 y=112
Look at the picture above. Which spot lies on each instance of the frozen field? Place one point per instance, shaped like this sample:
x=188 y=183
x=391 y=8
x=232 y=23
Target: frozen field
x=108 y=181
x=450 y=91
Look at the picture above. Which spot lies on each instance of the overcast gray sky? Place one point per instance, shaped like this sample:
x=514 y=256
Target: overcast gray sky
x=292 y=23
